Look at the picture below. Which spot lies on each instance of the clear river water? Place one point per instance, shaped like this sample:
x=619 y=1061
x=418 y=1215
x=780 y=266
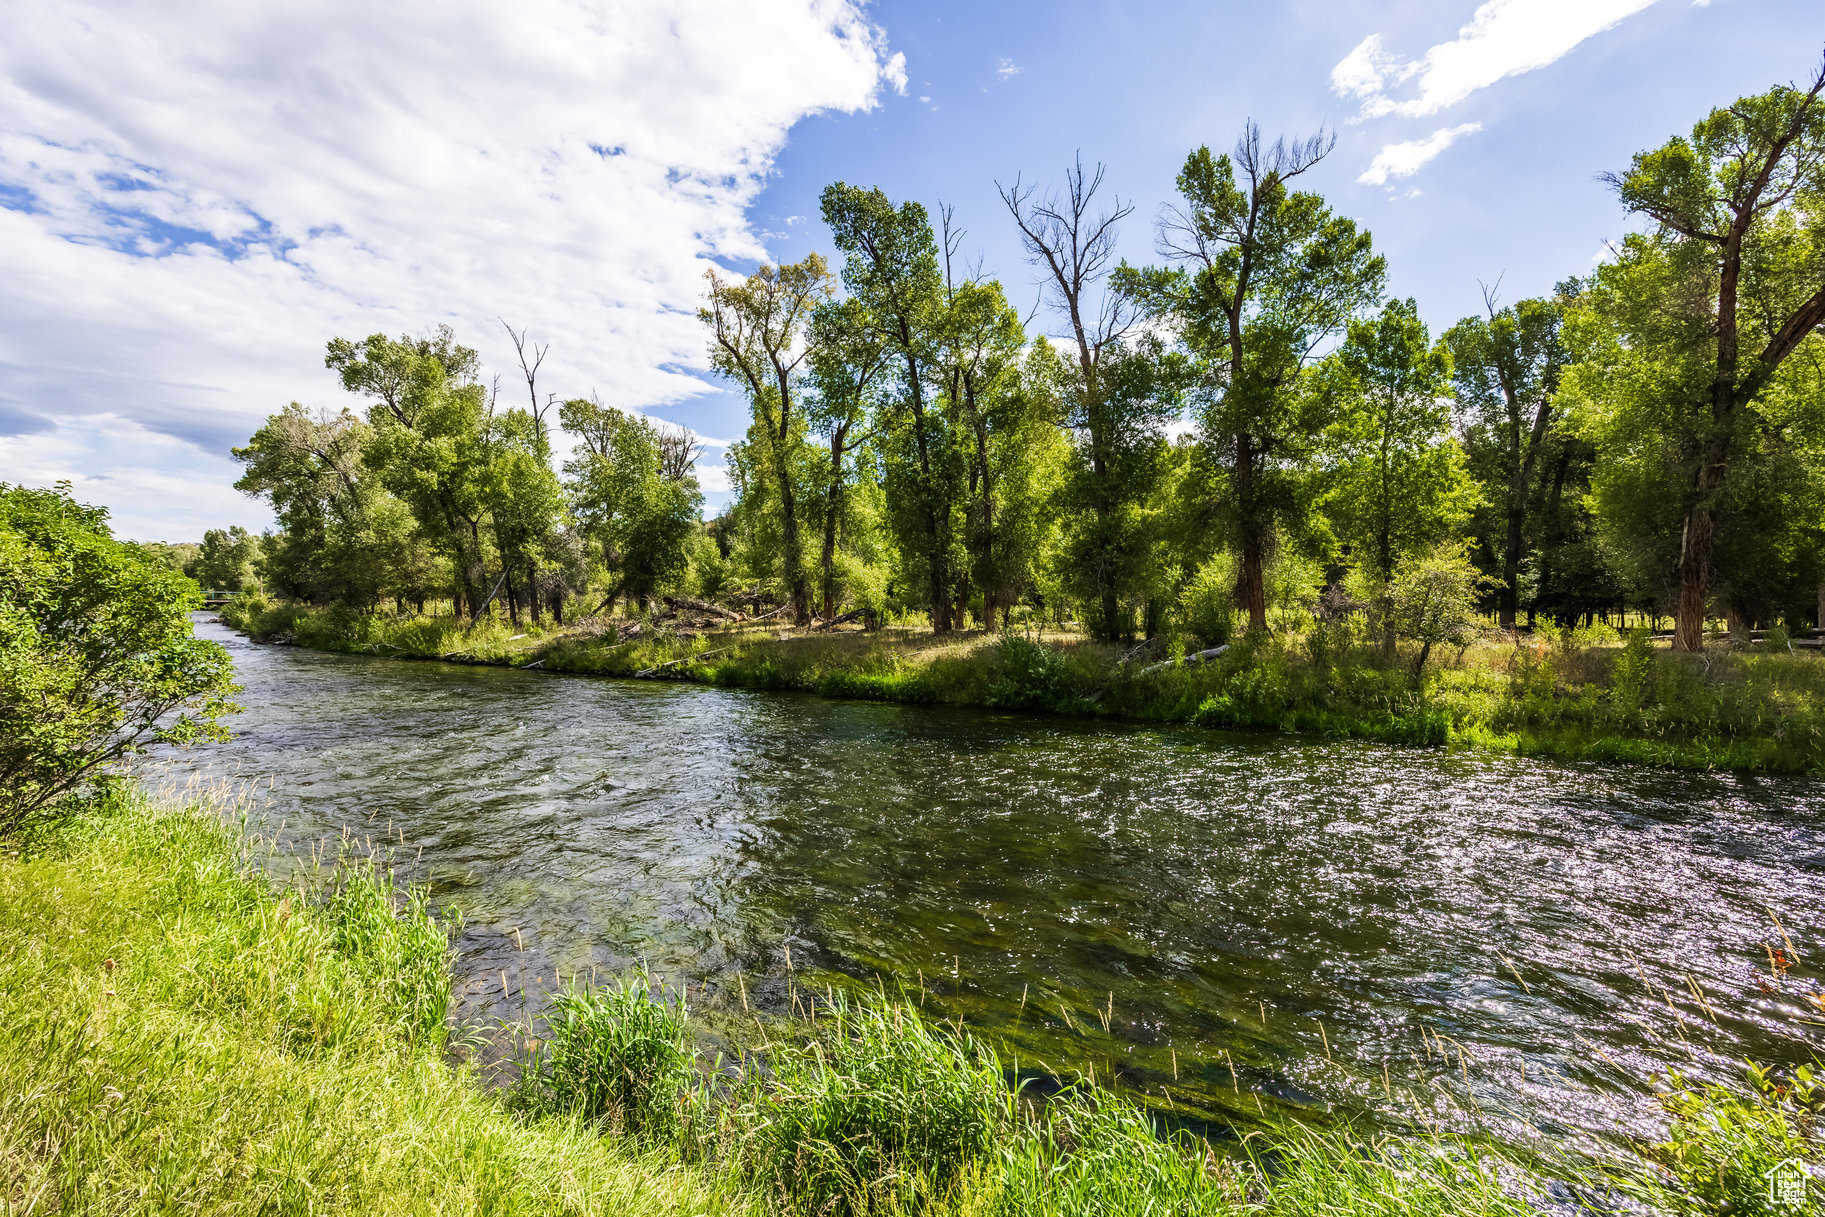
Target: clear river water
x=1220 y=922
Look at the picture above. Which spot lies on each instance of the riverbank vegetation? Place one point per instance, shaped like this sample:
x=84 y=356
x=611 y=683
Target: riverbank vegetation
x=1248 y=438
x=1576 y=693
x=185 y=1037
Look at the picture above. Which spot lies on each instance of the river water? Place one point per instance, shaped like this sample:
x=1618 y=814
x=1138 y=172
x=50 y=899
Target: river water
x=1218 y=921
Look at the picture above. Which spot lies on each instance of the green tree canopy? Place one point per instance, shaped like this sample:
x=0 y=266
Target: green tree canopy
x=97 y=657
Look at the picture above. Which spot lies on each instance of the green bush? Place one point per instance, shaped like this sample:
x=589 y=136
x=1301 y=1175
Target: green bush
x=1029 y=675
x=1723 y=1143
x=887 y=1112
x=616 y=1057
x=97 y=657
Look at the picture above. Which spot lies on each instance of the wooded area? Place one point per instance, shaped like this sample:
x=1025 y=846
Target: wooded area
x=1244 y=426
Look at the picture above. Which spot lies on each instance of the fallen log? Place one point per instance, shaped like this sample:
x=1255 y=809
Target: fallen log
x=682 y=659
x=851 y=615
x=703 y=606
x=1204 y=656
x=770 y=613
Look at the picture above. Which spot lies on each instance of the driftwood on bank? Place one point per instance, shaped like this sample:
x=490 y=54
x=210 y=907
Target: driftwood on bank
x=851 y=615
x=681 y=659
x=703 y=606
x=1204 y=656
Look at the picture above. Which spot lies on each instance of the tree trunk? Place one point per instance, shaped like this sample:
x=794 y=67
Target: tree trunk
x=1693 y=573
x=1251 y=583
x=1511 y=564
x=532 y=591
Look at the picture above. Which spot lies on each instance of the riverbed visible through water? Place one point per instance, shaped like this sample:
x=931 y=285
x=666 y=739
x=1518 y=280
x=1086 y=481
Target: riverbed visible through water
x=1218 y=921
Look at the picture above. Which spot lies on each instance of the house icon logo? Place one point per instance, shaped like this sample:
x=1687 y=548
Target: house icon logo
x=1787 y=1185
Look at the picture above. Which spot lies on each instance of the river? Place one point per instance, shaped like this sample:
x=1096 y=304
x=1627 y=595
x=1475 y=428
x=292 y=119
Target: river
x=1218 y=921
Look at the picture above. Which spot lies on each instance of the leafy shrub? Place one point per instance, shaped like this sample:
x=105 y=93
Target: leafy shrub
x=1723 y=1144
x=1632 y=682
x=1208 y=605
x=615 y=1056
x=888 y=1111
x=97 y=657
x=1030 y=675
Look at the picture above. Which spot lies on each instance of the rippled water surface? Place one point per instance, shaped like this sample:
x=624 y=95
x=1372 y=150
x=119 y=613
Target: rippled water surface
x=1255 y=919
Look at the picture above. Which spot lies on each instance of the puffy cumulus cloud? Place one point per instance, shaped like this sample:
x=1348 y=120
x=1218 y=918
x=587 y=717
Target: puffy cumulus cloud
x=1405 y=159
x=195 y=195
x=1504 y=38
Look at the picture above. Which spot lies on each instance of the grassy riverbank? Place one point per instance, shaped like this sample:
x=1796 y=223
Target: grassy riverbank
x=183 y=1038
x=1589 y=694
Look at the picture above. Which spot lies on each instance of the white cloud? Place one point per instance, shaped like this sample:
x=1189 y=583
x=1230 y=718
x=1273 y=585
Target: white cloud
x=1406 y=159
x=894 y=72
x=1006 y=68
x=195 y=195
x=1504 y=38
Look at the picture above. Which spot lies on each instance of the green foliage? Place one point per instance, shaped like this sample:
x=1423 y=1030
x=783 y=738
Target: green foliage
x=1207 y=603
x=643 y=520
x=1632 y=687
x=1432 y=599
x=1401 y=484
x=618 y=1056
x=1724 y=1143
x=887 y=1112
x=191 y=1041
x=227 y=560
x=1030 y=675
x=97 y=658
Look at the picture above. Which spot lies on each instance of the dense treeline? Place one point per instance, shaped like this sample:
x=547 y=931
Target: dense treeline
x=1248 y=426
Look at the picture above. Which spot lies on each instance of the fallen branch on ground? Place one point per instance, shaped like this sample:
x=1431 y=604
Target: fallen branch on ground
x=1197 y=657
x=682 y=659
x=703 y=606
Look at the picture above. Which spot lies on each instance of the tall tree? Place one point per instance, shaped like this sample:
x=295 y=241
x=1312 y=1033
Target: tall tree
x=429 y=417
x=849 y=362
x=1403 y=481
x=1119 y=434
x=758 y=331
x=641 y=519
x=891 y=269
x=1265 y=275
x=1506 y=369
x=1707 y=307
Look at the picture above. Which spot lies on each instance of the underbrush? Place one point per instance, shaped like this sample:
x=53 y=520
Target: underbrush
x=181 y=1037
x=1587 y=694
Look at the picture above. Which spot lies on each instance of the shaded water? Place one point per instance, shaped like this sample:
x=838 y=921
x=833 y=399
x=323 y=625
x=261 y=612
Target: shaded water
x=1399 y=933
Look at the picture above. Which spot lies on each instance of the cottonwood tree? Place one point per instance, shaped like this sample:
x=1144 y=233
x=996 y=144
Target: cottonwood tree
x=1263 y=276
x=891 y=270
x=758 y=331
x=1118 y=420
x=1402 y=481
x=429 y=419
x=848 y=365
x=1690 y=327
x=1506 y=369
x=641 y=519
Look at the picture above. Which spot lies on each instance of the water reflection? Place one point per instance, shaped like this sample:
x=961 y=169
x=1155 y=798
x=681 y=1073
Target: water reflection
x=1225 y=919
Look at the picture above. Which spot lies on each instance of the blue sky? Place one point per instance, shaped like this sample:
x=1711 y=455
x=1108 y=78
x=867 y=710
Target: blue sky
x=192 y=200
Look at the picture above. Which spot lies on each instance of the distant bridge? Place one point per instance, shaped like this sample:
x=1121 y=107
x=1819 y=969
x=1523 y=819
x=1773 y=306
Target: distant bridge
x=216 y=599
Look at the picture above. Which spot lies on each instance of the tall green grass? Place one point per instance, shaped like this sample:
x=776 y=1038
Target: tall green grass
x=180 y=1037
